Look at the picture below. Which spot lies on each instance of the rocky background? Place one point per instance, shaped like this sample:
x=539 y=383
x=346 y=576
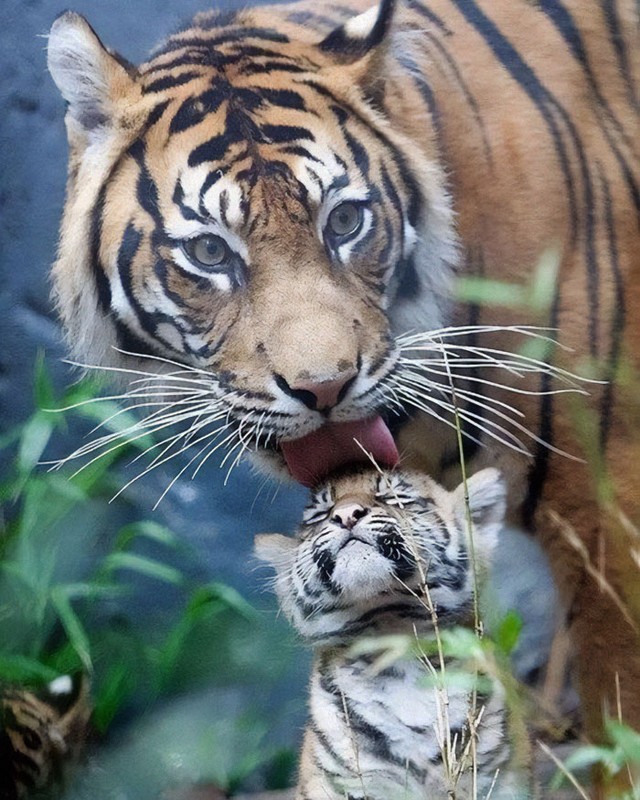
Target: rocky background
x=150 y=751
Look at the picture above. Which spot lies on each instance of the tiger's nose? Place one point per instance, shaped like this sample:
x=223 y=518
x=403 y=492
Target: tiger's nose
x=319 y=395
x=347 y=515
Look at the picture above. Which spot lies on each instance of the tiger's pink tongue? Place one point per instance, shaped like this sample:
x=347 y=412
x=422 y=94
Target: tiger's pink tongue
x=311 y=458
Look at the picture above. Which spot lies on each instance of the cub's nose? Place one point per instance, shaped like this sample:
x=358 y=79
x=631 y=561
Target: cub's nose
x=347 y=514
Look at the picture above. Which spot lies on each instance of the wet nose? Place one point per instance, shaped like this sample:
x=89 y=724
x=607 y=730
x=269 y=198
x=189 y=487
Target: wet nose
x=319 y=395
x=347 y=515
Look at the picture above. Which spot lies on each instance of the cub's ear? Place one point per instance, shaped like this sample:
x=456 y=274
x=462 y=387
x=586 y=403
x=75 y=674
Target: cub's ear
x=274 y=548
x=358 y=46
x=487 y=504
x=90 y=78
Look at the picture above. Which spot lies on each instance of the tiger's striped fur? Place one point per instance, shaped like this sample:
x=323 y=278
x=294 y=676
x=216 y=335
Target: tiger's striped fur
x=42 y=736
x=358 y=568
x=469 y=136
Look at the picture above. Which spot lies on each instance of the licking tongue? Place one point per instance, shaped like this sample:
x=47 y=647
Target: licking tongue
x=311 y=458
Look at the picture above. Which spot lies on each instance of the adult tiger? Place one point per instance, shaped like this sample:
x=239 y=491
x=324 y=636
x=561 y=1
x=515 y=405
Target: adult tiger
x=278 y=191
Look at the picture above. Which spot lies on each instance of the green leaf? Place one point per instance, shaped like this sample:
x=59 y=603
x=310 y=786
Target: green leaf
x=508 y=633
x=21 y=669
x=625 y=738
x=471 y=289
x=146 y=529
x=35 y=437
x=143 y=566
x=227 y=596
x=587 y=756
x=457 y=679
x=92 y=591
x=114 y=689
x=543 y=283
x=73 y=627
x=44 y=394
x=113 y=418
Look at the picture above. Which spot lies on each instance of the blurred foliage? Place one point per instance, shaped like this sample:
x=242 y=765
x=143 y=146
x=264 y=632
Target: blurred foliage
x=70 y=592
x=618 y=758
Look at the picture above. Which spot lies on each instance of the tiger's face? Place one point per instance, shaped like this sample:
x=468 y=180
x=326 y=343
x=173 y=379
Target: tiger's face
x=371 y=542
x=239 y=205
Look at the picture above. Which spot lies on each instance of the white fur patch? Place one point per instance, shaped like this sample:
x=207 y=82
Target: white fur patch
x=360 y=27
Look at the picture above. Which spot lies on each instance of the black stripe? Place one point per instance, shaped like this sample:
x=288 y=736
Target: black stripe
x=564 y=23
x=170 y=82
x=430 y=15
x=470 y=99
x=272 y=66
x=228 y=37
x=146 y=189
x=155 y=114
x=212 y=178
x=539 y=470
x=618 y=317
x=186 y=211
x=298 y=150
x=524 y=75
x=618 y=43
x=101 y=281
x=279 y=134
x=194 y=110
x=212 y=150
x=358 y=152
x=398 y=159
x=323 y=741
x=283 y=98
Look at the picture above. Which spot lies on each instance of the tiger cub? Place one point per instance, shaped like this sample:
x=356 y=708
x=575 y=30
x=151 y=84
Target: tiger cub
x=374 y=554
x=42 y=734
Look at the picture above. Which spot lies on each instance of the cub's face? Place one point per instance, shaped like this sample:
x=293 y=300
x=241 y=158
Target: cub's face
x=239 y=207
x=371 y=542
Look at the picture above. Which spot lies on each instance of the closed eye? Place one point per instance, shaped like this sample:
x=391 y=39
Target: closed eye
x=313 y=516
x=319 y=509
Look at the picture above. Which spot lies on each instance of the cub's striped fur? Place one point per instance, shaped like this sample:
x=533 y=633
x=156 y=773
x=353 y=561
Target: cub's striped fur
x=42 y=734
x=369 y=545
x=278 y=192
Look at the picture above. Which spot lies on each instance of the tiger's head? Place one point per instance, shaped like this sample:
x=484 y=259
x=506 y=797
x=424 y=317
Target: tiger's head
x=246 y=204
x=371 y=542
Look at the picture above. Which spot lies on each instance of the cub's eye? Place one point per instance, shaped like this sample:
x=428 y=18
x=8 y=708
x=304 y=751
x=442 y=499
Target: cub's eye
x=399 y=500
x=319 y=508
x=207 y=251
x=345 y=220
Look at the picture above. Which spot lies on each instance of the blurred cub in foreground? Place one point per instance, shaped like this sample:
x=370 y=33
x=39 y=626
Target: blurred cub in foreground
x=387 y=553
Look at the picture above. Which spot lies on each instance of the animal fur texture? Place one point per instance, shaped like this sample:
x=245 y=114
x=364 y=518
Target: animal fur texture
x=388 y=554
x=278 y=193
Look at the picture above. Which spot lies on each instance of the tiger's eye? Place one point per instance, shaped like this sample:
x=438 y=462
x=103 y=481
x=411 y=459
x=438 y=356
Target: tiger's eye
x=206 y=251
x=345 y=219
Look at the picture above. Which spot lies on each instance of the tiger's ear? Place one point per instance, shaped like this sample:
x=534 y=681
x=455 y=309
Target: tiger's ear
x=274 y=548
x=90 y=78
x=356 y=38
x=487 y=505
x=360 y=45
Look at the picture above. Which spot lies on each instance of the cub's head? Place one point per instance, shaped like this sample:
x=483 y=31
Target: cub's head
x=370 y=542
x=252 y=204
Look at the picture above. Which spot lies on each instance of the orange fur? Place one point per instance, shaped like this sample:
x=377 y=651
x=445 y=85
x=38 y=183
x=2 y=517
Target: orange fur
x=536 y=144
